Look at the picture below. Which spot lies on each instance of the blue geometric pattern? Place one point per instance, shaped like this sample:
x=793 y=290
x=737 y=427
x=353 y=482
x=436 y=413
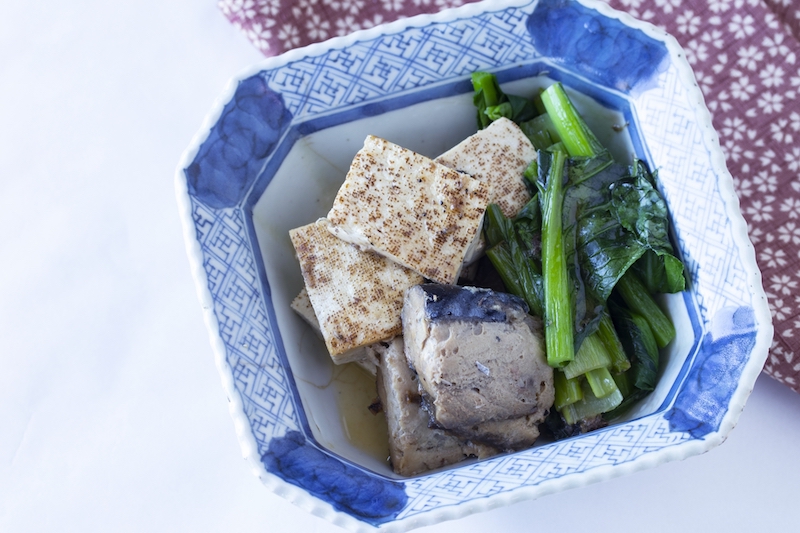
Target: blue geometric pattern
x=271 y=108
x=609 y=447
x=369 y=71
x=244 y=328
x=692 y=189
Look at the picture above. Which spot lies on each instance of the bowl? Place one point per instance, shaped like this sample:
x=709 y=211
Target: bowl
x=271 y=155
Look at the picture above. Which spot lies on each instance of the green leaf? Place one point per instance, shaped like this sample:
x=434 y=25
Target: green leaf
x=540 y=131
x=641 y=302
x=492 y=103
x=640 y=345
x=600 y=249
x=640 y=208
x=511 y=244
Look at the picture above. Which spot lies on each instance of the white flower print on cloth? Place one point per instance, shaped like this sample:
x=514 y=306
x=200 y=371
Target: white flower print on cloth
x=275 y=26
x=749 y=78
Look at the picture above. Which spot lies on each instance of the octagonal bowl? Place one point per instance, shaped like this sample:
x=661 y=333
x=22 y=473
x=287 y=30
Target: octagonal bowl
x=271 y=155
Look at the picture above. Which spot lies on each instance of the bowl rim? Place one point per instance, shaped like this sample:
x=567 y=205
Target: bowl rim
x=247 y=440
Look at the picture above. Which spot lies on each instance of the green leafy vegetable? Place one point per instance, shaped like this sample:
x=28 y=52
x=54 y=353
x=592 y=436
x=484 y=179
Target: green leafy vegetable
x=587 y=253
x=568 y=391
x=640 y=345
x=558 y=314
x=576 y=136
x=541 y=131
x=591 y=405
x=492 y=103
x=608 y=336
x=642 y=211
x=601 y=382
x=590 y=356
x=642 y=303
x=511 y=252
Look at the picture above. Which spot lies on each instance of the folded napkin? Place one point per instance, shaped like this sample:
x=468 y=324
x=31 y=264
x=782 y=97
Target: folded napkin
x=745 y=57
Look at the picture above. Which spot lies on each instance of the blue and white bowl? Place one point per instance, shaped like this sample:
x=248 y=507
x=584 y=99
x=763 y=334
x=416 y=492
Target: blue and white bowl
x=272 y=154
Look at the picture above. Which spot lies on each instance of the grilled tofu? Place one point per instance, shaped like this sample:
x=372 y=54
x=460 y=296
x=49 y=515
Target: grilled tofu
x=480 y=361
x=410 y=209
x=301 y=305
x=497 y=155
x=357 y=296
x=413 y=446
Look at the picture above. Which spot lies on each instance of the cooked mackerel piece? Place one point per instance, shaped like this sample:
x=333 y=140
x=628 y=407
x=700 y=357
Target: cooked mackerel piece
x=410 y=209
x=302 y=306
x=413 y=446
x=480 y=361
x=508 y=435
x=357 y=296
x=498 y=155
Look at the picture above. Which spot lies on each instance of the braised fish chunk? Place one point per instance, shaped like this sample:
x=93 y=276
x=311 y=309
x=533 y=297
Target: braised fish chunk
x=413 y=446
x=480 y=361
x=357 y=296
x=410 y=209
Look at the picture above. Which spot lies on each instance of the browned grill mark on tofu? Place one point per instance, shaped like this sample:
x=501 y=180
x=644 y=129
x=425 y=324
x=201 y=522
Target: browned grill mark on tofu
x=356 y=295
x=386 y=190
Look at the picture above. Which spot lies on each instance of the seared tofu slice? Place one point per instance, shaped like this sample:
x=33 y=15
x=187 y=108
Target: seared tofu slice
x=413 y=446
x=302 y=306
x=480 y=361
x=410 y=209
x=497 y=155
x=357 y=296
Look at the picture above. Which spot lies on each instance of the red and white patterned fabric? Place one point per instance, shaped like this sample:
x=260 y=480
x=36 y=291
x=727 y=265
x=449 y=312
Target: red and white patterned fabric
x=275 y=26
x=745 y=57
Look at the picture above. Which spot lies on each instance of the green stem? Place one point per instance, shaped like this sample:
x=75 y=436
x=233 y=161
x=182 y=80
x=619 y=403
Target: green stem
x=573 y=131
x=640 y=302
x=601 y=382
x=486 y=82
x=608 y=336
x=590 y=405
x=487 y=94
x=557 y=308
x=568 y=391
x=590 y=356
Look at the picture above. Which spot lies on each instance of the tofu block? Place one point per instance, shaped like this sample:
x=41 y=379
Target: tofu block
x=413 y=446
x=497 y=155
x=357 y=296
x=480 y=361
x=302 y=306
x=410 y=209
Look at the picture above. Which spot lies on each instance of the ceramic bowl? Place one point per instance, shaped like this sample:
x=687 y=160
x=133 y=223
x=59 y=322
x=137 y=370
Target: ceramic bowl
x=271 y=156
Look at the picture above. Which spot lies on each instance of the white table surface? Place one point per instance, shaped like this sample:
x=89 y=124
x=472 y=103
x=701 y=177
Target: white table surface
x=112 y=414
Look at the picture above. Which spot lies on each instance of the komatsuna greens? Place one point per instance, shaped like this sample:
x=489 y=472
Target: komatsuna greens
x=588 y=254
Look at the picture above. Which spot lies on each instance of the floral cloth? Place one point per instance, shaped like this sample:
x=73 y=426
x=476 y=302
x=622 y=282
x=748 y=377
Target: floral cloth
x=745 y=57
x=275 y=26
